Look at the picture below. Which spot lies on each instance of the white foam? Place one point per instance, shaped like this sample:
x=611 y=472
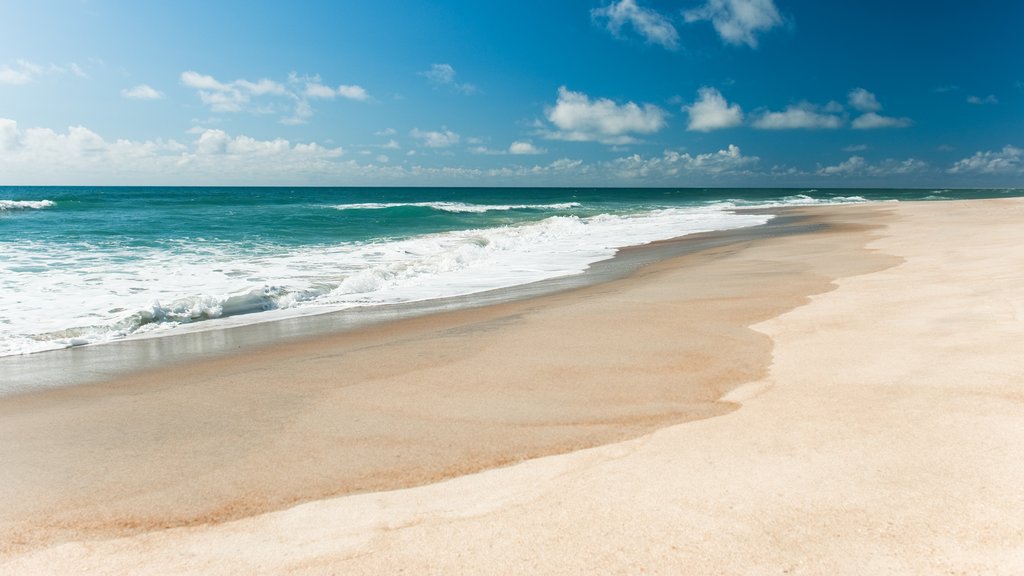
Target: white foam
x=25 y=204
x=89 y=294
x=795 y=200
x=457 y=206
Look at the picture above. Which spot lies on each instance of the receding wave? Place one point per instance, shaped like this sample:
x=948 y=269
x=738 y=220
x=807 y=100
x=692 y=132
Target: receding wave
x=6 y=205
x=456 y=206
x=168 y=288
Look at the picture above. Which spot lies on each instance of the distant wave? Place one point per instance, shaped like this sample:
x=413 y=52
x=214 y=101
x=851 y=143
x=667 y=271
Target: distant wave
x=795 y=200
x=457 y=206
x=25 y=204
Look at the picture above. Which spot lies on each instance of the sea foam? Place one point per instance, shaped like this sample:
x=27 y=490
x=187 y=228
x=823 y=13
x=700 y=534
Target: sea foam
x=93 y=294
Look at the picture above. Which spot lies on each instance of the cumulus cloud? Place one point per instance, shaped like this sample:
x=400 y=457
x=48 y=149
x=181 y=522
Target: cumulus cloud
x=864 y=101
x=290 y=98
x=580 y=119
x=671 y=163
x=712 y=112
x=524 y=147
x=990 y=99
x=436 y=139
x=804 y=115
x=444 y=75
x=852 y=165
x=142 y=92
x=858 y=166
x=649 y=23
x=220 y=96
x=81 y=155
x=872 y=120
x=738 y=21
x=1009 y=160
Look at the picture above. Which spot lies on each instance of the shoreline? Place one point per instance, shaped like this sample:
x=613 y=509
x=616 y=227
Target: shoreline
x=413 y=401
x=90 y=364
x=885 y=438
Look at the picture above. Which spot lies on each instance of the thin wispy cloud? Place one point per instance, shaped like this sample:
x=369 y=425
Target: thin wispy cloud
x=23 y=72
x=578 y=118
x=142 y=92
x=872 y=120
x=978 y=100
x=858 y=166
x=802 y=116
x=738 y=21
x=290 y=99
x=444 y=75
x=654 y=27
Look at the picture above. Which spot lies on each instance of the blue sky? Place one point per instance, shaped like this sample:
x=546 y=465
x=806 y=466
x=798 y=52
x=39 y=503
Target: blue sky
x=528 y=93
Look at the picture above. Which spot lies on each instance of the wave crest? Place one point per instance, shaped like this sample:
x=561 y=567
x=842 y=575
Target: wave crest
x=6 y=205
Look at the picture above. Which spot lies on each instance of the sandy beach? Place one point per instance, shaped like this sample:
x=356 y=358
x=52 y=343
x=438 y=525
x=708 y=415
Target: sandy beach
x=842 y=401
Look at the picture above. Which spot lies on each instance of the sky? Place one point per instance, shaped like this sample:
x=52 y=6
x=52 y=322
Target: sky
x=758 y=93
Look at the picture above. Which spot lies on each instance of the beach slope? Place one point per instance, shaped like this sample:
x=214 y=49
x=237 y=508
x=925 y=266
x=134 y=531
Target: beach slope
x=880 y=432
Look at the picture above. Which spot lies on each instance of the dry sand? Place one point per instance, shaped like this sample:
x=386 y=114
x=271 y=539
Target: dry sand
x=885 y=437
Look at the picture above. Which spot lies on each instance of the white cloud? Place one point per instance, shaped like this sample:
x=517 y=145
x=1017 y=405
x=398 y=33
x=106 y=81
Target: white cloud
x=738 y=21
x=580 y=119
x=317 y=90
x=386 y=132
x=524 y=147
x=866 y=102
x=855 y=148
x=858 y=166
x=353 y=92
x=712 y=112
x=990 y=99
x=273 y=97
x=649 y=23
x=861 y=99
x=872 y=120
x=853 y=165
x=444 y=75
x=202 y=82
x=435 y=139
x=799 y=116
x=80 y=155
x=24 y=72
x=1008 y=160
x=142 y=92
x=729 y=161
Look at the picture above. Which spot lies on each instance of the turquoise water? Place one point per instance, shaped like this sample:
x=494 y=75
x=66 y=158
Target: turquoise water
x=82 y=265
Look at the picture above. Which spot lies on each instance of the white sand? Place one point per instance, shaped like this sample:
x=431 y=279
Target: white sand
x=888 y=438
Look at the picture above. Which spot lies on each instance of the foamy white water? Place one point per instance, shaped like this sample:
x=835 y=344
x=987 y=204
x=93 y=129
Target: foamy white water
x=90 y=293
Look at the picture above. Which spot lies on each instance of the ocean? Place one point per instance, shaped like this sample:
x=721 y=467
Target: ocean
x=89 y=265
